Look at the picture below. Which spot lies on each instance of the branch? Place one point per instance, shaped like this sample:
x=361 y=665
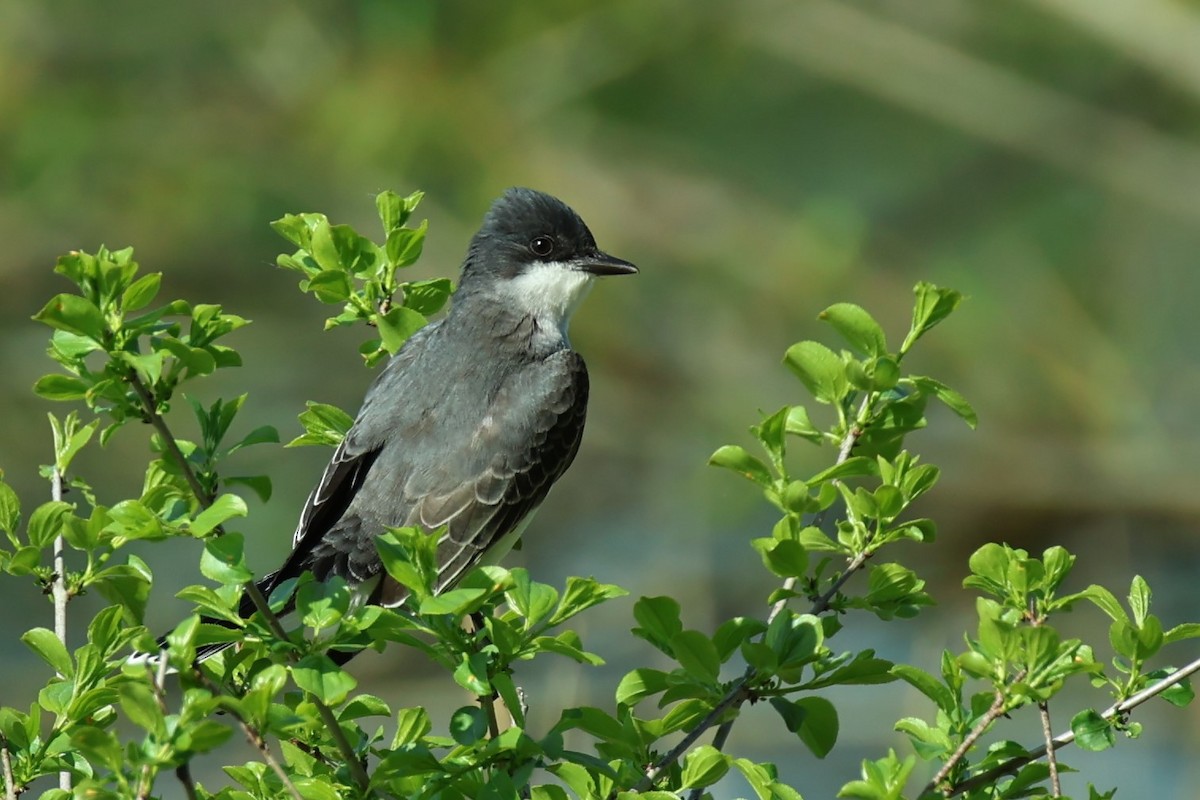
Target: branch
x=10 y=788
x=361 y=779
x=59 y=590
x=1063 y=739
x=985 y=722
x=353 y=762
x=253 y=737
x=184 y=773
x=1051 y=761
x=739 y=692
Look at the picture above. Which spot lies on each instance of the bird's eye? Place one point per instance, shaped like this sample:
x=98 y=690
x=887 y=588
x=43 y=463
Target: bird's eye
x=542 y=245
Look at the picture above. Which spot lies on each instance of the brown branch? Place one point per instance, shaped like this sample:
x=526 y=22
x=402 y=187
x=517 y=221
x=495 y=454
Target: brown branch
x=1064 y=739
x=256 y=596
x=10 y=787
x=997 y=708
x=1051 y=760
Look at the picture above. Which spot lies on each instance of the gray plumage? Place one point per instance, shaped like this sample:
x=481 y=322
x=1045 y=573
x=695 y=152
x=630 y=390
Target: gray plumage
x=474 y=419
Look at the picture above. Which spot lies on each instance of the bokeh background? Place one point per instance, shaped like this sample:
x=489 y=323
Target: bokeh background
x=759 y=160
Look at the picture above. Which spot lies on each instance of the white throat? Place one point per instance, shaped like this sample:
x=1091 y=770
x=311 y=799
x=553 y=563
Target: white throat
x=549 y=292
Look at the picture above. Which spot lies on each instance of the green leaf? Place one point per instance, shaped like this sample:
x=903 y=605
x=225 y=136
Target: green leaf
x=392 y=212
x=1105 y=600
x=1092 y=731
x=60 y=387
x=140 y=706
x=819 y=369
x=319 y=676
x=658 y=618
x=322 y=604
x=931 y=307
x=786 y=558
x=51 y=650
x=799 y=424
x=534 y=601
x=453 y=601
x=404 y=245
x=75 y=314
x=853 y=467
x=950 y=398
x=813 y=719
x=697 y=654
x=46 y=522
x=567 y=644
x=731 y=633
x=735 y=458
x=927 y=685
x=1187 y=630
x=427 y=297
x=581 y=594
x=639 y=684
x=323 y=424
x=10 y=512
x=411 y=725
x=468 y=725
x=259 y=484
x=704 y=766
x=397 y=325
x=472 y=674
x=141 y=292
x=1139 y=600
x=331 y=286
x=222 y=509
x=857 y=327
x=223 y=560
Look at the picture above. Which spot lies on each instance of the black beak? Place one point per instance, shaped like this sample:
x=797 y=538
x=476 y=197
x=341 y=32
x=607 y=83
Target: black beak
x=599 y=263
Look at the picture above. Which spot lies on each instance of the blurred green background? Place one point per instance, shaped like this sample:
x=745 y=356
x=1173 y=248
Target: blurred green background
x=759 y=160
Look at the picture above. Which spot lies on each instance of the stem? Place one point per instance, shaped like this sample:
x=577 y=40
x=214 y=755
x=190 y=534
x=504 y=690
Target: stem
x=997 y=708
x=1051 y=761
x=256 y=596
x=59 y=591
x=10 y=789
x=719 y=739
x=253 y=737
x=353 y=762
x=1063 y=739
x=184 y=773
x=739 y=692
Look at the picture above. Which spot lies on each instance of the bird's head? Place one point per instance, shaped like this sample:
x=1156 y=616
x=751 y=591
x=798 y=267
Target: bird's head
x=535 y=253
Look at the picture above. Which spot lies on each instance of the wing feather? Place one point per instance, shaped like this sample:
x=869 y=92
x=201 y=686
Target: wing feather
x=429 y=464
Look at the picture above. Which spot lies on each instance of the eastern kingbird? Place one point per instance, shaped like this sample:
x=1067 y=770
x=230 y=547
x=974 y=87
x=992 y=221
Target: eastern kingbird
x=472 y=421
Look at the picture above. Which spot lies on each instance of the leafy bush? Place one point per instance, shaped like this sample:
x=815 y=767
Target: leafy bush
x=303 y=713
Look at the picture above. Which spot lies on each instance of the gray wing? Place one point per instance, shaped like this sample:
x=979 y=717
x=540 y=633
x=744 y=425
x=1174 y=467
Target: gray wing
x=401 y=465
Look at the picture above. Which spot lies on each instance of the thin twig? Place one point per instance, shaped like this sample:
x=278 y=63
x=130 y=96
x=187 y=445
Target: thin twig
x=255 y=738
x=59 y=590
x=158 y=680
x=160 y=425
x=997 y=708
x=10 y=788
x=353 y=762
x=1051 y=760
x=361 y=779
x=184 y=773
x=1063 y=739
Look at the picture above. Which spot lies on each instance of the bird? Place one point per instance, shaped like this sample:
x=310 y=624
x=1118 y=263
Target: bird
x=471 y=422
